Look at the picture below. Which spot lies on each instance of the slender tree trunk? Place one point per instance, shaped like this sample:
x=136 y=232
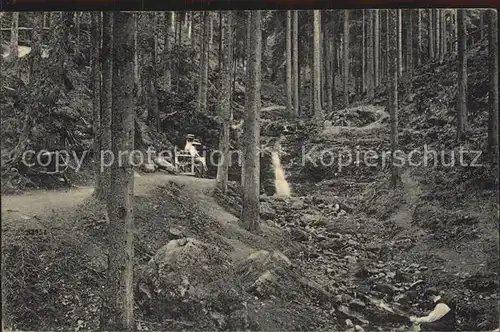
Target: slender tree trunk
x=148 y=73
x=329 y=64
x=137 y=75
x=250 y=216
x=419 y=37
x=386 y=49
x=323 y=66
x=106 y=104
x=289 y=62
x=167 y=48
x=377 y=47
x=437 y=27
x=363 y=51
x=493 y=93
x=203 y=86
x=119 y=293
x=36 y=45
x=400 y=43
x=430 y=34
x=393 y=88
x=462 y=77
x=455 y=28
x=295 y=76
x=443 y=34
x=96 y=90
x=225 y=104
x=387 y=45
x=220 y=57
x=346 y=58
x=155 y=40
x=371 y=68
x=14 y=35
x=318 y=112
x=211 y=32
x=409 y=42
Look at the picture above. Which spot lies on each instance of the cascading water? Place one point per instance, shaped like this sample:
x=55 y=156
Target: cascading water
x=282 y=186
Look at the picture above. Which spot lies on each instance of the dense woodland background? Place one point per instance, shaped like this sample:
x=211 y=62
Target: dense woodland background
x=238 y=80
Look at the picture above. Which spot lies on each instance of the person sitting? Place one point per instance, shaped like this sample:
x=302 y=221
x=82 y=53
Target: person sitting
x=442 y=318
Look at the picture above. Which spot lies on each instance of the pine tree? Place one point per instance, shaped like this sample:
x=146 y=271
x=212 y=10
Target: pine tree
x=393 y=88
x=118 y=311
x=225 y=103
x=462 y=77
x=250 y=216
x=493 y=93
x=345 y=66
x=14 y=35
x=318 y=111
x=295 y=72
x=288 y=30
x=106 y=104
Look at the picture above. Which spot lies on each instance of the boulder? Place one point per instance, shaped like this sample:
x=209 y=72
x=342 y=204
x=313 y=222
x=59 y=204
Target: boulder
x=184 y=266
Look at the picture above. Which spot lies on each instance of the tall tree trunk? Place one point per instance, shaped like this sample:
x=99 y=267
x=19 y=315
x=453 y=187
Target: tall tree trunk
x=377 y=47
x=371 y=68
x=493 y=93
x=329 y=69
x=36 y=44
x=409 y=42
x=203 y=86
x=437 y=27
x=155 y=40
x=225 y=104
x=251 y=186
x=419 y=37
x=220 y=41
x=14 y=35
x=119 y=293
x=96 y=90
x=346 y=58
x=400 y=43
x=289 y=62
x=430 y=34
x=318 y=111
x=106 y=104
x=137 y=74
x=211 y=32
x=148 y=73
x=455 y=28
x=387 y=45
x=167 y=48
x=443 y=34
x=393 y=88
x=462 y=77
x=295 y=42
x=363 y=53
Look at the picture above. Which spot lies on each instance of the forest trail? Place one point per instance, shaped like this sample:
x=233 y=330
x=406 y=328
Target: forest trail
x=24 y=211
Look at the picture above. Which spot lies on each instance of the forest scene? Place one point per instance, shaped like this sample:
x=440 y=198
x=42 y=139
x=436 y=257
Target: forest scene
x=250 y=170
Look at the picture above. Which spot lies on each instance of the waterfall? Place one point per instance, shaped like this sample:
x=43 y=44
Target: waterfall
x=282 y=186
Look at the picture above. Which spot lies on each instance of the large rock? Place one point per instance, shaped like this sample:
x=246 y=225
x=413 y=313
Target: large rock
x=184 y=267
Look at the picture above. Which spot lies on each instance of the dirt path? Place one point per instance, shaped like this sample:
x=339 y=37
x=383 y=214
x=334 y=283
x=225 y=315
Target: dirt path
x=24 y=211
